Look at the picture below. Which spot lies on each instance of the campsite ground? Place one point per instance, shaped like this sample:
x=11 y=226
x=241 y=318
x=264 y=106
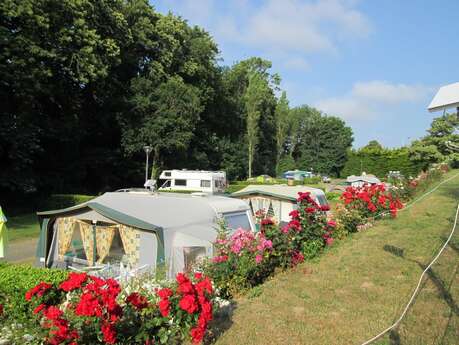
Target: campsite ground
x=360 y=286
x=23 y=234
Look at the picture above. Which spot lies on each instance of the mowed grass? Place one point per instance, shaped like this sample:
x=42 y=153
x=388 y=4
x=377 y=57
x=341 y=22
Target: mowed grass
x=359 y=287
x=23 y=227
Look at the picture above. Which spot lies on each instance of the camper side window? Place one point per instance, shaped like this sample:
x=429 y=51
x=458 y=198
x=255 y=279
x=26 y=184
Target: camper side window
x=205 y=183
x=237 y=220
x=180 y=182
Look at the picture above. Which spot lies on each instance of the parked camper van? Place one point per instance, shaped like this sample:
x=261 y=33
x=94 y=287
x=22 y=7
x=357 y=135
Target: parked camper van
x=193 y=180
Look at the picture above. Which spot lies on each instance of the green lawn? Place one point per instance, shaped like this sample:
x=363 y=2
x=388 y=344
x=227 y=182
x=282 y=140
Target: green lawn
x=360 y=286
x=23 y=227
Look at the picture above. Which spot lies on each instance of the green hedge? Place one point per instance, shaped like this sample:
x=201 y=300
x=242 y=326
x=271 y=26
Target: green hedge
x=58 y=201
x=379 y=163
x=15 y=280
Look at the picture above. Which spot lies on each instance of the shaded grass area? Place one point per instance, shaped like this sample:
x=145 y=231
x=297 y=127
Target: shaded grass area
x=23 y=227
x=360 y=287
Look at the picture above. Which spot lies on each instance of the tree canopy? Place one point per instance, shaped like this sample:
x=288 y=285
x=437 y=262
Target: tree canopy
x=86 y=84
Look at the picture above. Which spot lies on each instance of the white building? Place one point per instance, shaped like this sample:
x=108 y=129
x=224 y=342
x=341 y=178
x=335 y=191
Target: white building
x=193 y=181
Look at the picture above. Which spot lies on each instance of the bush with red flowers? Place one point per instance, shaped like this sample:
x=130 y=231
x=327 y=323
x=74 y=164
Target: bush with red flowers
x=371 y=201
x=244 y=259
x=92 y=310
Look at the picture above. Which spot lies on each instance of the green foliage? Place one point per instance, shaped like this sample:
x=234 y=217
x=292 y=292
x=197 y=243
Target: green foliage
x=433 y=147
x=379 y=161
x=58 y=201
x=85 y=85
x=16 y=280
x=317 y=141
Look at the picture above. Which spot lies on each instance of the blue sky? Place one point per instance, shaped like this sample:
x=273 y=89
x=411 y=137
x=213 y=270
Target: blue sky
x=376 y=64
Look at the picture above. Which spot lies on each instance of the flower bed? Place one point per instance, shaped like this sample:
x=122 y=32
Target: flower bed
x=244 y=259
x=88 y=310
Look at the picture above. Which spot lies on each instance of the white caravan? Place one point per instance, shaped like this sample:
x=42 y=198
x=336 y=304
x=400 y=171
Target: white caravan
x=193 y=181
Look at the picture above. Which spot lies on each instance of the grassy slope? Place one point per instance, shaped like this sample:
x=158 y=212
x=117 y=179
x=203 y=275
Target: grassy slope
x=360 y=287
x=23 y=227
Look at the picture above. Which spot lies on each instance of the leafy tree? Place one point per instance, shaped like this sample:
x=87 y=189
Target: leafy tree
x=433 y=147
x=283 y=125
x=319 y=142
x=165 y=118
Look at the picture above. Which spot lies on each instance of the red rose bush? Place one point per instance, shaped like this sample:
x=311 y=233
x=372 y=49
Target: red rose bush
x=88 y=310
x=372 y=201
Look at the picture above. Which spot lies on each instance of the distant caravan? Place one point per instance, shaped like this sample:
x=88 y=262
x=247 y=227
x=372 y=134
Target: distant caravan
x=193 y=181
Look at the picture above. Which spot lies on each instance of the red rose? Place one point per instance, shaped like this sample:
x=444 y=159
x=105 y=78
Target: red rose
x=39 y=290
x=164 y=307
x=39 y=308
x=53 y=313
x=137 y=300
x=197 y=334
x=186 y=288
x=109 y=332
x=181 y=278
x=188 y=303
x=74 y=281
x=164 y=293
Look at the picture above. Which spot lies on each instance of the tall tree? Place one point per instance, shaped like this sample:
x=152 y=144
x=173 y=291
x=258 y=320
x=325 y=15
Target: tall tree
x=255 y=94
x=283 y=125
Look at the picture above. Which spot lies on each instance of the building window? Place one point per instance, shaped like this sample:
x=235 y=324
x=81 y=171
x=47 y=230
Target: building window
x=167 y=173
x=180 y=183
x=205 y=183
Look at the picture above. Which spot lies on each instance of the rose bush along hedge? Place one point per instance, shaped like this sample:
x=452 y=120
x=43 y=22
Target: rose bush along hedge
x=244 y=259
x=371 y=200
x=88 y=310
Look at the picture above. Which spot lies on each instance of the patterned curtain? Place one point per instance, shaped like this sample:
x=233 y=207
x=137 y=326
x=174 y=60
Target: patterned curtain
x=65 y=227
x=104 y=239
x=131 y=243
x=88 y=241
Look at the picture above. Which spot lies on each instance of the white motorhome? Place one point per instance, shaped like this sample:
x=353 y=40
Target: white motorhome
x=193 y=180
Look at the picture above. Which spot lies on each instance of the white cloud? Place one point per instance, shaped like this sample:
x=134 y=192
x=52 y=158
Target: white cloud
x=289 y=27
x=368 y=100
x=383 y=91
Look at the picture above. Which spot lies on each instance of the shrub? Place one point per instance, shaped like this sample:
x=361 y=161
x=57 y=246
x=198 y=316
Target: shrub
x=87 y=310
x=58 y=201
x=371 y=200
x=15 y=280
x=244 y=260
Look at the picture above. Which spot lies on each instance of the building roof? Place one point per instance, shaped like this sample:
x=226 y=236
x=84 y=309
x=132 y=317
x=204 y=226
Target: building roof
x=284 y=192
x=446 y=97
x=364 y=178
x=152 y=211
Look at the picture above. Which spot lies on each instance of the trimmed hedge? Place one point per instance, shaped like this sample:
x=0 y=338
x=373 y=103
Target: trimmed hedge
x=379 y=163
x=15 y=280
x=238 y=185
x=58 y=201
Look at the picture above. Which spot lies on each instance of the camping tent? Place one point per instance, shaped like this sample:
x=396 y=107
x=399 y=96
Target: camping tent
x=140 y=228
x=277 y=200
x=359 y=181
